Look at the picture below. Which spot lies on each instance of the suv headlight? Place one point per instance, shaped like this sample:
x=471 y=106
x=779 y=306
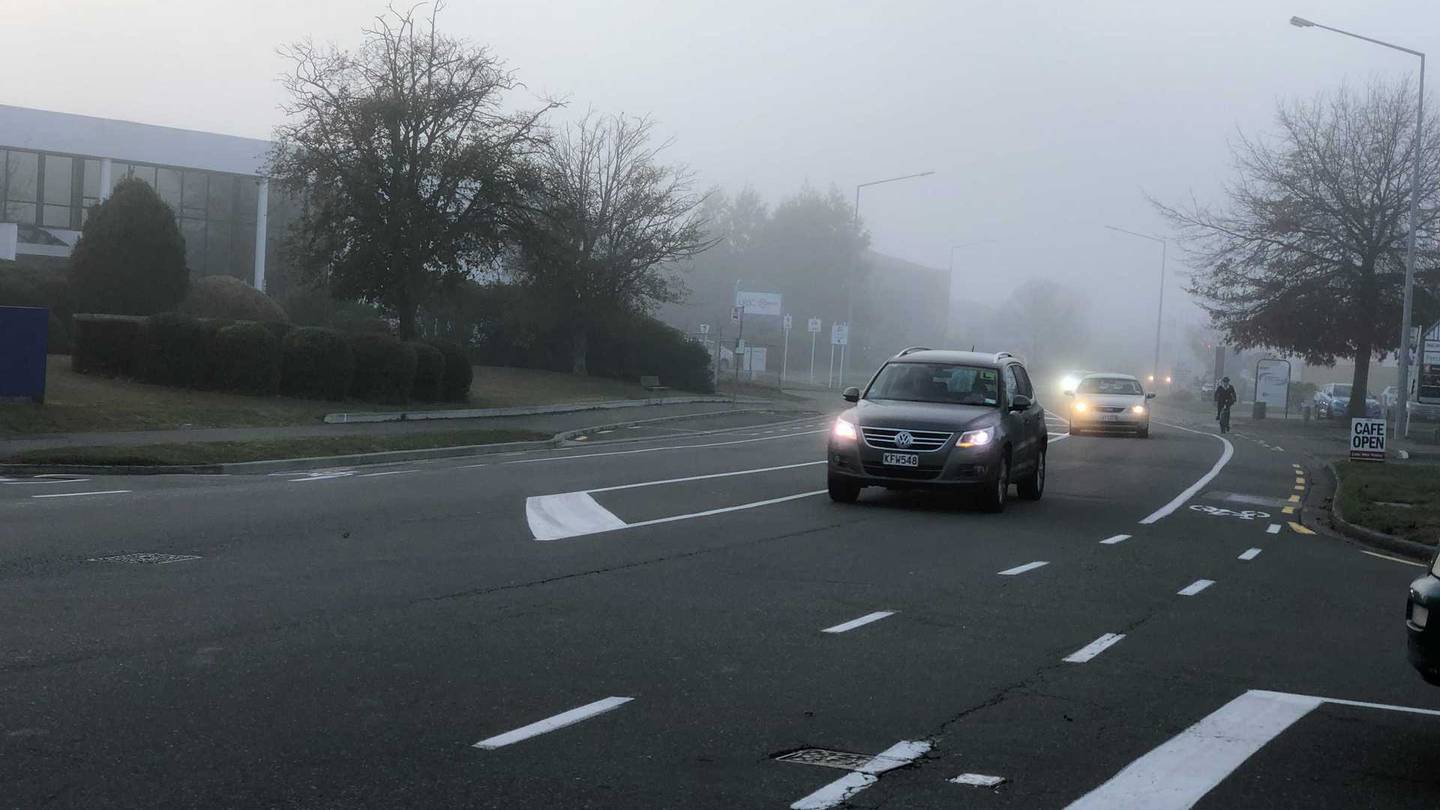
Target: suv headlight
x=976 y=438
x=1080 y=407
x=845 y=431
x=1138 y=409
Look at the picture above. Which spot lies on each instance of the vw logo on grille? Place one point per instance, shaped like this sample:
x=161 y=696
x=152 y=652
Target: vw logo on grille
x=904 y=439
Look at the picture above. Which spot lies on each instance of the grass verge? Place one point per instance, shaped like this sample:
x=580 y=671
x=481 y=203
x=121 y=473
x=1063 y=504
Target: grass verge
x=1398 y=499
x=148 y=455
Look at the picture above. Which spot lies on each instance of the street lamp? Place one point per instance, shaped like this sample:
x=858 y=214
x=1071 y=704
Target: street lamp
x=1402 y=417
x=850 y=314
x=1160 y=308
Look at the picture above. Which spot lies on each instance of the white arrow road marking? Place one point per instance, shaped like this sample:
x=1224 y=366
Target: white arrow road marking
x=549 y=724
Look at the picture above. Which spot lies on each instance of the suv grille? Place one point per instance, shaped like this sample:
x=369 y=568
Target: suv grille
x=921 y=441
x=1110 y=409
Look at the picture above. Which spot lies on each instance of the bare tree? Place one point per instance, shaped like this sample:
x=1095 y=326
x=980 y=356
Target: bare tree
x=607 y=216
x=409 y=164
x=1307 y=257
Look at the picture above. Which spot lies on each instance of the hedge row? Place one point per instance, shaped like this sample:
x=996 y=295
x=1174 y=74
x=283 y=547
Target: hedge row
x=269 y=358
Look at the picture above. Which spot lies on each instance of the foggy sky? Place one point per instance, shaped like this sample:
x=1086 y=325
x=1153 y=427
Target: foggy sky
x=1043 y=121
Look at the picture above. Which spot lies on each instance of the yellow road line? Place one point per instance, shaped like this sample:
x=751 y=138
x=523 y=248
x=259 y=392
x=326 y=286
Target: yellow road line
x=1294 y=499
x=1299 y=480
x=1300 y=529
x=1289 y=510
x=1299 y=487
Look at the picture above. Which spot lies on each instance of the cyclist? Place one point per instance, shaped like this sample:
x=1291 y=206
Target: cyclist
x=1224 y=398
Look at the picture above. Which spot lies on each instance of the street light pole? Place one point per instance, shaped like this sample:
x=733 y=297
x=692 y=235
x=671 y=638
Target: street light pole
x=1160 y=308
x=1402 y=416
x=850 y=314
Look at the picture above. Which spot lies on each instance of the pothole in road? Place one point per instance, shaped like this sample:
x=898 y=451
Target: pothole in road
x=145 y=558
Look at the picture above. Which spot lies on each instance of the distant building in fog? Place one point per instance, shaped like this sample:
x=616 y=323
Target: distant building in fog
x=55 y=166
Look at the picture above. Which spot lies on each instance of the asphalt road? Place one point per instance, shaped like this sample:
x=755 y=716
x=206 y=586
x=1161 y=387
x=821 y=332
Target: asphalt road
x=652 y=619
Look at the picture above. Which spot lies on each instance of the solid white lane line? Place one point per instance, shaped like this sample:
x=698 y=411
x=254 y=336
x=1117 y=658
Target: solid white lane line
x=1094 y=648
x=1273 y=528
x=1194 y=488
x=1020 y=569
x=860 y=622
x=898 y=755
x=1394 y=559
x=836 y=792
x=45 y=481
x=668 y=447
x=387 y=472
x=569 y=514
x=704 y=477
x=1250 y=554
x=78 y=494
x=551 y=723
x=1367 y=705
x=1195 y=587
x=723 y=510
x=1119 y=538
x=1178 y=774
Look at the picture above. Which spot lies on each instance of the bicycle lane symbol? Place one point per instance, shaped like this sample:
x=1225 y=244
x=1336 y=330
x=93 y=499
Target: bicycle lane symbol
x=1218 y=511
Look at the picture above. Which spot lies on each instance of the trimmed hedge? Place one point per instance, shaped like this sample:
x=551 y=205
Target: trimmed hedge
x=384 y=369
x=232 y=299
x=105 y=344
x=317 y=364
x=455 y=387
x=638 y=346
x=429 y=372
x=246 y=358
x=40 y=285
x=175 y=349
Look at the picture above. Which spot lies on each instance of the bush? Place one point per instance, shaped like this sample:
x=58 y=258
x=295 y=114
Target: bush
x=638 y=346
x=455 y=387
x=23 y=285
x=246 y=358
x=105 y=344
x=232 y=299
x=429 y=372
x=384 y=369
x=130 y=259
x=317 y=364
x=174 y=349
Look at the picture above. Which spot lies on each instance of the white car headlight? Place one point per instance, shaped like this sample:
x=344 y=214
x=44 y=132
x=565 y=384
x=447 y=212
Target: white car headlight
x=1138 y=409
x=845 y=431
x=976 y=438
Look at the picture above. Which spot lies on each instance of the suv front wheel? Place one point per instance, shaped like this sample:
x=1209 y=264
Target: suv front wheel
x=1032 y=486
x=993 y=498
x=842 y=490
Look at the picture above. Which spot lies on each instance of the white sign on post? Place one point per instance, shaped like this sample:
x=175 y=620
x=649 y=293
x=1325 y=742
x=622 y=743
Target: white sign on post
x=839 y=334
x=704 y=328
x=788 y=322
x=736 y=314
x=814 y=326
x=1272 y=383
x=758 y=303
x=1367 y=439
x=757 y=355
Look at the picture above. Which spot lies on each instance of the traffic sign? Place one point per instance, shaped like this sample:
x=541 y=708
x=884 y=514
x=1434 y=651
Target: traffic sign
x=788 y=321
x=839 y=334
x=758 y=303
x=814 y=327
x=736 y=313
x=1367 y=439
x=704 y=328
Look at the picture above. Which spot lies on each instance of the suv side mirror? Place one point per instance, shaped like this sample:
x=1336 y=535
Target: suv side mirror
x=1020 y=402
x=1150 y=395
x=852 y=394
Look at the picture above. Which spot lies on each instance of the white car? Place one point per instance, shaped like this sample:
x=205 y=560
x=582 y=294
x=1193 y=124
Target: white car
x=1110 y=402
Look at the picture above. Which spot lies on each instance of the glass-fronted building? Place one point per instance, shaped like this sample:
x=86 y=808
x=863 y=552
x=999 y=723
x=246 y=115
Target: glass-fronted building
x=55 y=166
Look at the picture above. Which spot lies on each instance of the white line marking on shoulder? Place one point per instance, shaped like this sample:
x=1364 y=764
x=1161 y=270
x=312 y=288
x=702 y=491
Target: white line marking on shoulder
x=1194 y=488
x=1393 y=559
x=79 y=494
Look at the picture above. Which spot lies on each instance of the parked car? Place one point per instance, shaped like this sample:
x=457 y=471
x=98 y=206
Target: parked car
x=1423 y=411
x=1332 y=400
x=1109 y=402
x=1424 y=644
x=942 y=420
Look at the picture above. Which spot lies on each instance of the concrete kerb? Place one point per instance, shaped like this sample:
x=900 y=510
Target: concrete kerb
x=1371 y=537
x=561 y=439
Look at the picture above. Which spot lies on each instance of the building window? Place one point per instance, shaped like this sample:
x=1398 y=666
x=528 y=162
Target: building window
x=192 y=195
x=194 y=232
x=222 y=197
x=168 y=185
x=22 y=182
x=59 y=191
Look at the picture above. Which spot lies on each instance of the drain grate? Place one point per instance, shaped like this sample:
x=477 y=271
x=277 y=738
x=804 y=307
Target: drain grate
x=146 y=558
x=844 y=760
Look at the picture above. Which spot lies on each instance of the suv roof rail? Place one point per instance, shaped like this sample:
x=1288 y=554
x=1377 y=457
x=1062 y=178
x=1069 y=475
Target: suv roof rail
x=912 y=350
x=1001 y=355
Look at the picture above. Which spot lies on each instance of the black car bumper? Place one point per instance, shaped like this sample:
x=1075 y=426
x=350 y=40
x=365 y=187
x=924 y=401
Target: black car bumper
x=950 y=467
x=1424 y=644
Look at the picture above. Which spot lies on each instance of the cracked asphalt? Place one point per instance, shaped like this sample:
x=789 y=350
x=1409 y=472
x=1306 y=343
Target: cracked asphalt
x=345 y=639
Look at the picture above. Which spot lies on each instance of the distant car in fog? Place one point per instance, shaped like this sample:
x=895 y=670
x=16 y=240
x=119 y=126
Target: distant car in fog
x=1333 y=399
x=1109 y=402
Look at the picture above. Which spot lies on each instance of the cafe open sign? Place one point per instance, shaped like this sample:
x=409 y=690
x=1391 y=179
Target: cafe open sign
x=1367 y=439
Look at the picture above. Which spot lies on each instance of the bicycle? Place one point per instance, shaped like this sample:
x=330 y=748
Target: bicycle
x=1224 y=418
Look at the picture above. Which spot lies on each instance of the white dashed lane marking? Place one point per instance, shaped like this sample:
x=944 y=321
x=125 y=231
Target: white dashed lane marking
x=1195 y=587
x=860 y=622
x=1250 y=554
x=1094 y=648
x=1020 y=569
x=549 y=724
x=1273 y=528
x=1119 y=538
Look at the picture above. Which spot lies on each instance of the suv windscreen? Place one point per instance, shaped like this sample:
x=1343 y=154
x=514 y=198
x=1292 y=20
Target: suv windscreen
x=1109 y=385
x=937 y=382
x=1342 y=390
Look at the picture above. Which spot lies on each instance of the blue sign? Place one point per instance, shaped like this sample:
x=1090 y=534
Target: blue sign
x=23 y=333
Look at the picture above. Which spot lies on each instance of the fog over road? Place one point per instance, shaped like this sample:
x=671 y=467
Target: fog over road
x=654 y=619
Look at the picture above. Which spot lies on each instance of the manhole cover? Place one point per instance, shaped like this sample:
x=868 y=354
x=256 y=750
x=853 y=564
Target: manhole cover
x=844 y=760
x=146 y=558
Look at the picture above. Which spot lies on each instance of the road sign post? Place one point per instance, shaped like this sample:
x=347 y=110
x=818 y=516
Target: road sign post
x=839 y=336
x=785 y=352
x=814 y=327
